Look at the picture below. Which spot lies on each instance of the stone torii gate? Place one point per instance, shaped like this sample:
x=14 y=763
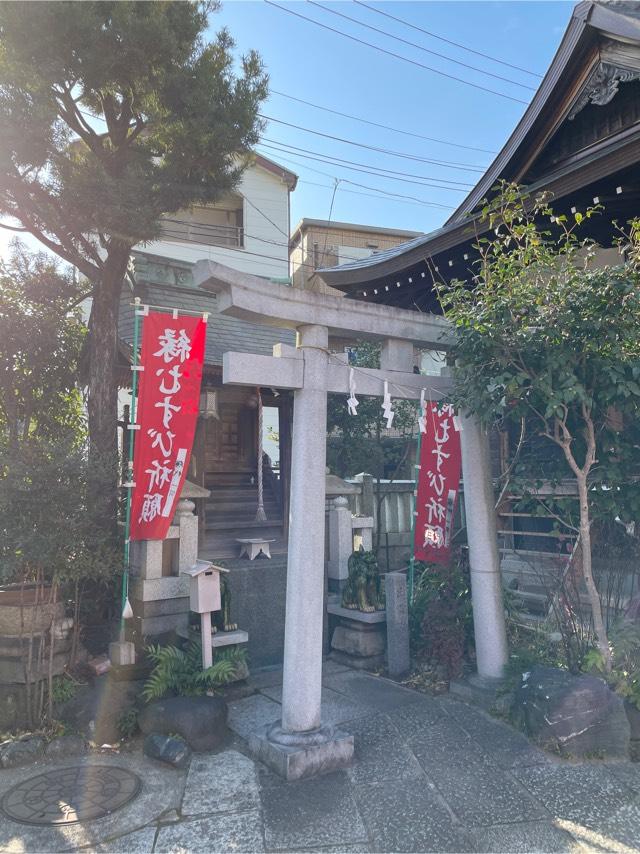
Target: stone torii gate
x=299 y=745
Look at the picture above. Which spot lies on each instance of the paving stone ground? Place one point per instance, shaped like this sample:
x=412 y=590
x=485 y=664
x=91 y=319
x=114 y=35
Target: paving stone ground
x=430 y=774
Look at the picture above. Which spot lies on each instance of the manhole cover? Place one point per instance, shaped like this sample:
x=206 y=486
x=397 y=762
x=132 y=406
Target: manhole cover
x=69 y=795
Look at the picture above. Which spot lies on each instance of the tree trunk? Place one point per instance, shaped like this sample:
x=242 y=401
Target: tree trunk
x=103 y=391
x=594 y=598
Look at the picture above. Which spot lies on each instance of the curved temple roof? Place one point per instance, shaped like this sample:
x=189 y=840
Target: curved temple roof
x=599 y=34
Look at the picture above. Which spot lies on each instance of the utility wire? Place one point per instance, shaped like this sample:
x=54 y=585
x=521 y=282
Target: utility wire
x=396 y=55
x=168 y=234
x=448 y=41
x=420 y=47
x=262 y=213
x=204 y=229
x=378 y=125
x=447 y=164
x=378 y=171
x=394 y=197
x=306 y=166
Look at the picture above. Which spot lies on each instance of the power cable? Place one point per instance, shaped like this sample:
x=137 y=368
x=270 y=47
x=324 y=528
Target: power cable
x=176 y=235
x=255 y=207
x=378 y=125
x=448 y=164
x=404 y=199
x=393 y=196
x=299 y=165
x=368 y=169
x=202 y=229
x=396 y=55
x=448 y=41
x=420 y=47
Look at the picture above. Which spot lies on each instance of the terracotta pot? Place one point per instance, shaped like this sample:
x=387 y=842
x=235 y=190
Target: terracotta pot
x=31 y=614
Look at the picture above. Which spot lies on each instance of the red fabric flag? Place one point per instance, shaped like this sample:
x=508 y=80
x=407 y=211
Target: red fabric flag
x=438 y=483
x=168 y=401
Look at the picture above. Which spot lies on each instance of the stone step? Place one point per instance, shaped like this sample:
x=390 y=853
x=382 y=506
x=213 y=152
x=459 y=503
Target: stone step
x=231 y=478
x=226 y=547
x=223 y=506
x=244 y=525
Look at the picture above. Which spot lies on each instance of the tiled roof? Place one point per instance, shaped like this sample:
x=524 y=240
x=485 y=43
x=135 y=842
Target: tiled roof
x=387 y=254
x=223 y=333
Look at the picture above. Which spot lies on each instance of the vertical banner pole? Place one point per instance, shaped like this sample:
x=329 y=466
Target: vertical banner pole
x=261 y=516
x=414 y=501
x=132 y=422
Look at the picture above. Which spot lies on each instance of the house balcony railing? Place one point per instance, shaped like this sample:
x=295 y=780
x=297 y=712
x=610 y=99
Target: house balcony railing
x=203 y=233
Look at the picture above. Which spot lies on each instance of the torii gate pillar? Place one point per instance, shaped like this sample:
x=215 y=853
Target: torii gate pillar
x=302 y=678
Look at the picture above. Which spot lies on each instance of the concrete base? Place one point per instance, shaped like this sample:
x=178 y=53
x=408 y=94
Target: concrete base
x=358 y=640
x=122 y=653
x=371 y=662
x=294 y=756
x=477 y=690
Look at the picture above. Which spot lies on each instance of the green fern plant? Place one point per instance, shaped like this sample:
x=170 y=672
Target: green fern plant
x=178 y=672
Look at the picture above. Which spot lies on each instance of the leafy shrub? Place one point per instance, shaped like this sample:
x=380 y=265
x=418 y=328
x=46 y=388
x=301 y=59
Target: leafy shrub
x=178 y=672
x=63 y=689
x=127 y=723
x=441 y=620
x=624 y=677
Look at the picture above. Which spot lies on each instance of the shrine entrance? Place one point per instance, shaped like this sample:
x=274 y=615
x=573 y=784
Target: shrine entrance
x=231 y=438
x=228 y=446
x=299 y=744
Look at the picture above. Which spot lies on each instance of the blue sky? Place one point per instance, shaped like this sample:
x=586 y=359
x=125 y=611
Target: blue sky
x=307 y=62
x=322 y=67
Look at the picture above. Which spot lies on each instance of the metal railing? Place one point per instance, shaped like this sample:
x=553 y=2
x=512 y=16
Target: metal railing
x=203 y=233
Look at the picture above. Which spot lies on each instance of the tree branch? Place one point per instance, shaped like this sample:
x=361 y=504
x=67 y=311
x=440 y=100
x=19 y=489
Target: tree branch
x=13 y=227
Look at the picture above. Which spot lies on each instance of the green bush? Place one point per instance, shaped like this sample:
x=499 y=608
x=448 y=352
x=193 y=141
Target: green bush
x=440 y=617
x=127 y=723
x=178 y=672
x=624 y=677
x=63 y=689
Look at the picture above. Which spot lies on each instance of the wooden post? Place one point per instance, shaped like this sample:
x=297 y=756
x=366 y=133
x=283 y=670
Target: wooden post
x=205 y=634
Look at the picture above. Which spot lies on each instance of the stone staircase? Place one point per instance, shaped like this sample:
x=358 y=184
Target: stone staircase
x=231 y=514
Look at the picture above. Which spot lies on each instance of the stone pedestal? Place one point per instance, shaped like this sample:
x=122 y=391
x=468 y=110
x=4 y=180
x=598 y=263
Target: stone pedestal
x=359 y=638
x=297 y=755
x=398 y=657
x=160 y=601
x=122 y=653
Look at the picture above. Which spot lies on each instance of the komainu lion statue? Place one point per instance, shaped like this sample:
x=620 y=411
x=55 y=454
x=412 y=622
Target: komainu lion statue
x=363 y=590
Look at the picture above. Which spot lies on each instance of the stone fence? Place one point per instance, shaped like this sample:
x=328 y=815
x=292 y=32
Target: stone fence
x=355 y=510
x=390 y=504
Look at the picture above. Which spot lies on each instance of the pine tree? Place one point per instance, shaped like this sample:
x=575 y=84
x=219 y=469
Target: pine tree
x=111 y=115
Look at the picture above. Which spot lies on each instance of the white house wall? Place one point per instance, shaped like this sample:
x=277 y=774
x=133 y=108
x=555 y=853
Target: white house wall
x=266 y=229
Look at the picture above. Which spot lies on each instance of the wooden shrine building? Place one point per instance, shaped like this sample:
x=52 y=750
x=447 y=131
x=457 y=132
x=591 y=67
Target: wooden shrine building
x=579 y=139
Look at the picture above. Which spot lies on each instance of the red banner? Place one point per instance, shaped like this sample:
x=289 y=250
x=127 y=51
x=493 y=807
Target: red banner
x=438 y=483
x=168 y=401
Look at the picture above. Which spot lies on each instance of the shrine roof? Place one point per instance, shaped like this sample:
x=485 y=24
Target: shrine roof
x=601 y=39
x=224 y=333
